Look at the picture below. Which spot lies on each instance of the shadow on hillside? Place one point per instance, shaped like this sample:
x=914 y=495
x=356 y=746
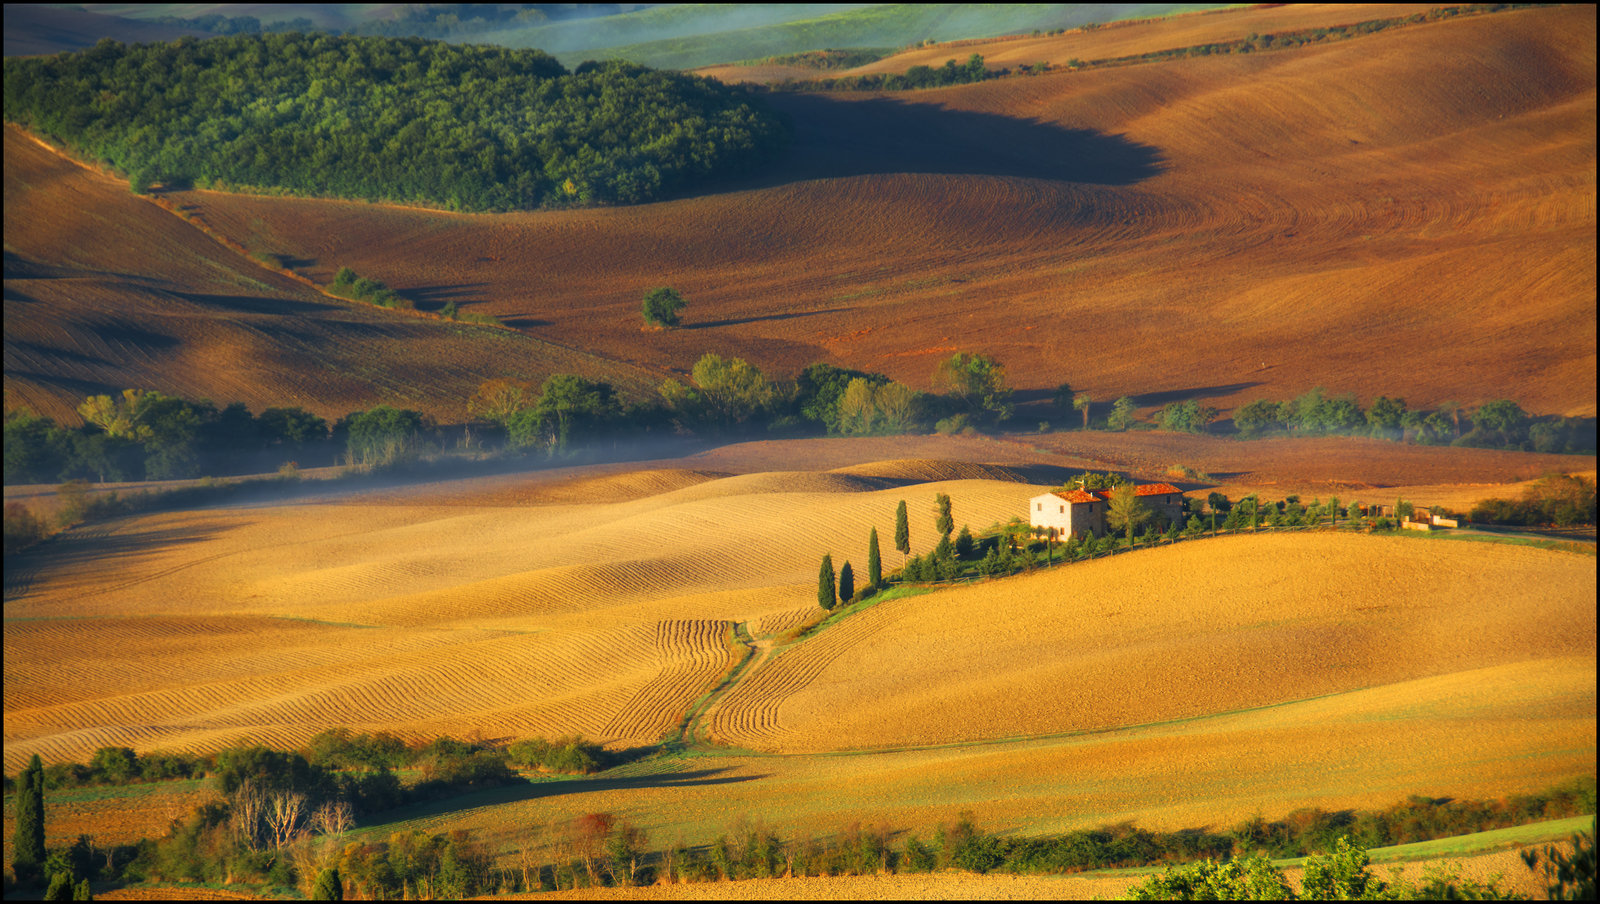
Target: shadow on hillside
x=91 y=544
x=250 y=304
x=842 y=136
x=507 y=794
x=735 y=321
x=1194 y=392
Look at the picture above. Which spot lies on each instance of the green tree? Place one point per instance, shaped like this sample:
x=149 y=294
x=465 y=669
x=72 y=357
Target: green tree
x=1258 y=417
x=874 y=562
x=827 y=595
x=328 y=886
x=1083 y=402
x=1252 y=879
x=60 y=887
x=1125 y=510
x=945 y=523
x=727 y=392
x=977 y=383
x=902 y=530
x=965 y=543
x=27 y=852
x=661 y=307
x=1121 y=417
x=1064 y=399
x=497 y=400
x=383 y=435
x=847 y=583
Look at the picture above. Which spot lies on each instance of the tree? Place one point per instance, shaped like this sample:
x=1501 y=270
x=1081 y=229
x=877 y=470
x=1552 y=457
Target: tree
x=874 y=562
x=1386 y=417
x=945 y=523
x=1064 y=399
x=964 y=542
x=497 y=399
x=977 y=383
x=661 y=307
x=728 y=391
x=1083 y=402
x=1125 y=510
x=328 y=887
x=27 y=853
x=382 y=435
x=902 y=530
x=1258 y=417
x=847 y=583
x=1121 y=416
x=827 y=596
x=1253 y=879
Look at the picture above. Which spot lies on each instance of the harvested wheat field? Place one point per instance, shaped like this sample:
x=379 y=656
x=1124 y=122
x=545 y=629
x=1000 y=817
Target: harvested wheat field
x=200 y=629
x=1174 y=633
x=1427 y=191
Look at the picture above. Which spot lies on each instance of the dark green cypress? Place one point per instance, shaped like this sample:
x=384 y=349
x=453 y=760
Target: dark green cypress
x=826 y=596
x=874 y=563
x=847 y=583
x=902 y=530
x=28 y=844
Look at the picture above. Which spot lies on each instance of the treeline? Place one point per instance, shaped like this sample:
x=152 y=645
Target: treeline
x=730 y=396
x=1560 y=499
x=147 y=435
x=446 y=760
x=400 y=119
x=1497 y=424
x=921 y=76
x=914 y=78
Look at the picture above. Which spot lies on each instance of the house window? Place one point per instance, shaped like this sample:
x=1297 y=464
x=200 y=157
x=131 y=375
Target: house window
x=1063 y=508
x=1041 y=506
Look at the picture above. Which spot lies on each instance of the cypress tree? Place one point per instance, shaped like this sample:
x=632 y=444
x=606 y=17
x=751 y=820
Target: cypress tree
x=28 y=844
x=874 y=563
x=946 y=522
x=847 y=583
x=902 y=530
x=826 y=597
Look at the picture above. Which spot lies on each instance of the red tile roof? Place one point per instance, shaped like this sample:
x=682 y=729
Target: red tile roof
x=1078 y=497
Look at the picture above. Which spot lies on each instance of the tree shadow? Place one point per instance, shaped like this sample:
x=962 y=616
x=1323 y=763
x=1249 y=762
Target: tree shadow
x=1196 y=392
x=92 y=543
x=251 y=304
x=735 y=321
x=523 y=321
x=838 y=135
x=555 y=787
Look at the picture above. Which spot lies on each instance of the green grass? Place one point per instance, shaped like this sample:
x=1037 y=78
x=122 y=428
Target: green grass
x=1476 y=843
x=839 y=614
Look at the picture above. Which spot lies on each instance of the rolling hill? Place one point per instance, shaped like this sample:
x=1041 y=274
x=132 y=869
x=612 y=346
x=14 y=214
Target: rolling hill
x=1222 y=228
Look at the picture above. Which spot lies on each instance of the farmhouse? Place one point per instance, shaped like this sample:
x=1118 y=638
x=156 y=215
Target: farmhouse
x=1084 y=511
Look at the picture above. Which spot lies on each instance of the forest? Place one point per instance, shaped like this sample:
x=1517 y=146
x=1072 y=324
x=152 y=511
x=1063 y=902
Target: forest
x=474 y=127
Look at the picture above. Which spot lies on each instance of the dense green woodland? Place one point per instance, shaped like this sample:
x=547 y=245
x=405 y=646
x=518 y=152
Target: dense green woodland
x=398 y=119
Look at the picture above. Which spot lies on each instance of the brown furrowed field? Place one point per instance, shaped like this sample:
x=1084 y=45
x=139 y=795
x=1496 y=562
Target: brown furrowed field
x=1221 y=228
x=105 y=291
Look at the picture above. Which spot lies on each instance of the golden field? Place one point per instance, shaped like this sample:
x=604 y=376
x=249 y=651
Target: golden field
x=1183 y=686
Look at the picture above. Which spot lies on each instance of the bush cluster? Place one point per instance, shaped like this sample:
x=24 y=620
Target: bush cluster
x=1559 y=499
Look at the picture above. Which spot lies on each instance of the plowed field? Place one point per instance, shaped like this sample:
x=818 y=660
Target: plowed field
x=1409 y=213
x=105 y=291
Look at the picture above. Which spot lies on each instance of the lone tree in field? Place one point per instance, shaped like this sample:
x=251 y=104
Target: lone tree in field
x=1083 y=402
x=1126 y=511
x=661 y=307
x=826 y=596
x=946 y=523
x=27 y=853
x=874 y=562
x=847 y=583
x=902 y=530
